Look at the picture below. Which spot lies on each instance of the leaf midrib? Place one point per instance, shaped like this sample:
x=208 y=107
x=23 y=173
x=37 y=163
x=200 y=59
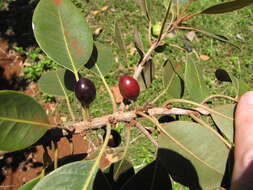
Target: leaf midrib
x=47 y=125
x=199 y=81
x=66 y=43
x=190 y=152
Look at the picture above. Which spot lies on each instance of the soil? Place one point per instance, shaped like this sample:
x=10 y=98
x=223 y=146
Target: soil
x=16 y=168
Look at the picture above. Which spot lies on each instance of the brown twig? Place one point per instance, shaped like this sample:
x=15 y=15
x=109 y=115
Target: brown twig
x=172 y=26
x=146 y=133
x=99 y=122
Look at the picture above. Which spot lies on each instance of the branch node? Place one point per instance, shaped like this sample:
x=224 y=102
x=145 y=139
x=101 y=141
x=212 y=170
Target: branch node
x=112 y=120
x=168 y=106
x=196 y=114
x=132 y=123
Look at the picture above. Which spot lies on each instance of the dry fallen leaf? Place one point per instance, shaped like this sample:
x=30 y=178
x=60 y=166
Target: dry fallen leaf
x=98 y=31
x=204 y=57
x=95 y=12
x=190 y=35
x=64 y=119
x=104 y=8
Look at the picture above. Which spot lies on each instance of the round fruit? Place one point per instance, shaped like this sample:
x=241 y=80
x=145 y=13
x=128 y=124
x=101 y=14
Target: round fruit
x=129 y=87
x=115 y=139
x=85 y=91
x=156 y=29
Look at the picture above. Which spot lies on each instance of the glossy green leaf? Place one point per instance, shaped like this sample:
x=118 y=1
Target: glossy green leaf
x=57 y=83
x=226 y=126
x=227 y=7
x=102 y=56
x=62 y=33
x=152 y=177
x=30 y=184
x=192 y=154
x=119 y=173
x=73 y=176
x=119 y=39
x=22 y=121
x=194 y=82
x=146 y=77
x=172 y=80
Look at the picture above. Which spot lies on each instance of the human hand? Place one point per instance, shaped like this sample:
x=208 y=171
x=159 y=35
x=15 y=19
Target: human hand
x=243 y=168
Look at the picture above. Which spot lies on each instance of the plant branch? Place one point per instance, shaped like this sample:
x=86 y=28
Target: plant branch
x=171 y=27
x=199 y=105
x=99 y=122
x=146 y=133
x=218 y=96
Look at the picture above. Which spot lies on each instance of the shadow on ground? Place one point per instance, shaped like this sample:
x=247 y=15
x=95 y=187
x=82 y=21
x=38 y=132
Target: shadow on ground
x=16 y=23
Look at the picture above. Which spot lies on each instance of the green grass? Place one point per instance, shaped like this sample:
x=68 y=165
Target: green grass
x=222 y=55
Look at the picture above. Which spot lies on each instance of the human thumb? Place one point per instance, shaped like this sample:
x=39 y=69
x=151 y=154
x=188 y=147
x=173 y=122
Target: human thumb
x=243 y=168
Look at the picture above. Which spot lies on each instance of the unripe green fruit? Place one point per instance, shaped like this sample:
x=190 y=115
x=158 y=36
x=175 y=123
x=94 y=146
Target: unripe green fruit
x=156 y=29
x=85 y=91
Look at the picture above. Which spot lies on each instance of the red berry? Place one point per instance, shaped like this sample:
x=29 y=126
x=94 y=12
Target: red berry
x=129 y=87
x=85 y=91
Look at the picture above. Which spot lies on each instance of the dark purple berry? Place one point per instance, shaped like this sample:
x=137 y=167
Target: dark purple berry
x=85 y=91
x=129 y=87
x=114 y=140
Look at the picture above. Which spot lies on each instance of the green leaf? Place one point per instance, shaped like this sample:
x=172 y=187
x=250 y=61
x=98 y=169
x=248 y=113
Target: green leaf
x=62 y=33
x=119 y=39
x=193 y=155
x=243 y=87
x=172 y=80
x=138 y=43
x=57 y=83
x=164 y=20
x=240 y=86
x=22 y=121
x=72 y=177
x=213 y=35
x=224 y=76
x=227 y=7
x=152 y=177
x=194 y=82
x=119 y=173
x=146 y=77
x=102 y=56
x=30 y=184
x=226 y=126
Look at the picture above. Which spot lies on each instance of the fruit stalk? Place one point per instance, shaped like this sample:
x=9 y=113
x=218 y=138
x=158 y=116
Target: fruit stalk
x=114 y=105
x=96 y=164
